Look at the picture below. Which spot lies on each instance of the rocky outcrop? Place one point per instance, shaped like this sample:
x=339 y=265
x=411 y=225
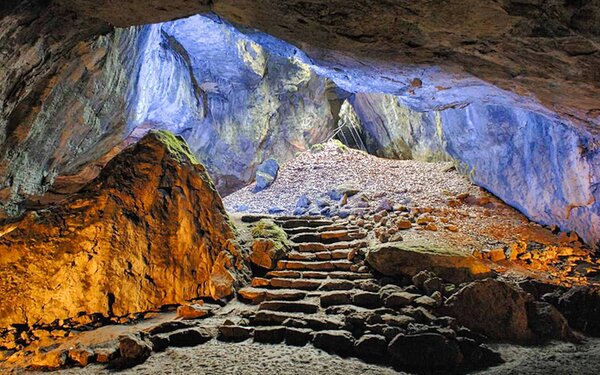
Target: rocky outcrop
x=503 y=311
x=581 y=307
x=408 y=258
x=150 y=230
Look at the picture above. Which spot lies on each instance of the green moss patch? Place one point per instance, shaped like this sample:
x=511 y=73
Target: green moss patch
x=176 y=146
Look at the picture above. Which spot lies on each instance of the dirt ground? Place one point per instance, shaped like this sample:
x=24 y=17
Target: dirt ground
x=249 y=358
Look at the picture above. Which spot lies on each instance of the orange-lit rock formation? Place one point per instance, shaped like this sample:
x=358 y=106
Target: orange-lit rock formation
x=150 y=230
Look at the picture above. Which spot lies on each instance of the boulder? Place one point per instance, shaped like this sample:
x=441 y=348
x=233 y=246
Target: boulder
x=266 y=174
x=193 y=311
x=399 y=299
x=189 y=337
x=234 y=333
x=581 y=308
x=477 y=356
x=408 y=258
x=270 y=244
x=269 y=335
x=501 y=311
x=149 y=231
x=134 y=349
x=334 y=341
x=548 y=323
x=371 y=348
x=303 y=202
x=81 y=356
x=429 y=351
x=297 y=336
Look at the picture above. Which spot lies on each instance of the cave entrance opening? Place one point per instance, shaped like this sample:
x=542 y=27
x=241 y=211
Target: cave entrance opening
x=284 y=133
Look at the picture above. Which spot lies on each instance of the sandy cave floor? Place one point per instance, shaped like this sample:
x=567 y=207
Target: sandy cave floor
x=249 y=358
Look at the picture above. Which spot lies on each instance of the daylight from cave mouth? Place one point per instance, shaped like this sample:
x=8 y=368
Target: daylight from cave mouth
x=190 y=187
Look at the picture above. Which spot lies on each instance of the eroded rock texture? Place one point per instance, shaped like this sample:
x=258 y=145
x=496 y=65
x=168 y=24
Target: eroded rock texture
x=62 y=97
x=150 y=230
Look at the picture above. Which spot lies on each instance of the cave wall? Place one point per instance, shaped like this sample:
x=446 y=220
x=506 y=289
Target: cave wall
x=391 y=129
x=235 y=102
x=62 y=99
x=546 y=167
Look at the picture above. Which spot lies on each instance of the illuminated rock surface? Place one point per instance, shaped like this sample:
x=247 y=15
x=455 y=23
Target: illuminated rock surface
x=149 y=231
x=410 y=257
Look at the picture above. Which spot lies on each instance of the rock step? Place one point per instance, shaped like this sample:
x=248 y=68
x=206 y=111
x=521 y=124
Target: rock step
x=331 y=265
x=316 y=284
x=257 y=295
x=326 y=228
x=317 y=246
x=301 y=284
x=254 y=218
x=289 y=306
x=310 y=222
x=319 y=255
x=319 y=275
x=313 y=321
x=328 y=237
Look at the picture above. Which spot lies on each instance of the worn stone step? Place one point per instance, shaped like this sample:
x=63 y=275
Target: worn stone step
x=302 y=284
x=253 y=218
x=291 y=274
x=325 y=228
x=310 y=222
x=289 y=306
x=234 y=333
x=318 y=247
x=329 y=285
x=328 y=237
x=257 y=295
x=270 y=335
x=334 y=341
x=336 y=298
x=298 y=336
x=320 y=255
x=331 y=265
x=312 y=321
x=314 y=284
x=270 y=318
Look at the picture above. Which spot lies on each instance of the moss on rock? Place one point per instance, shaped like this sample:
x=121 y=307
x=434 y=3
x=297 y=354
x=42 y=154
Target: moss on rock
x=176 y=145
x=270 y=244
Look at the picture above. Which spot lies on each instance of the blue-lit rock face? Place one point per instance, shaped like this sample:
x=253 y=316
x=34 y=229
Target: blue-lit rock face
x=236 y=103
x=546 y=168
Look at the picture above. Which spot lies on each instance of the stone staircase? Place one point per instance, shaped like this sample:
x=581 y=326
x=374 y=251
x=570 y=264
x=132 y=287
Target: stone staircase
x=323 y=293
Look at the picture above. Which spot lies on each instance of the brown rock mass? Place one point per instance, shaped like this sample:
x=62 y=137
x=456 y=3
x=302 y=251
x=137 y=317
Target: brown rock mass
x=150 y=230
